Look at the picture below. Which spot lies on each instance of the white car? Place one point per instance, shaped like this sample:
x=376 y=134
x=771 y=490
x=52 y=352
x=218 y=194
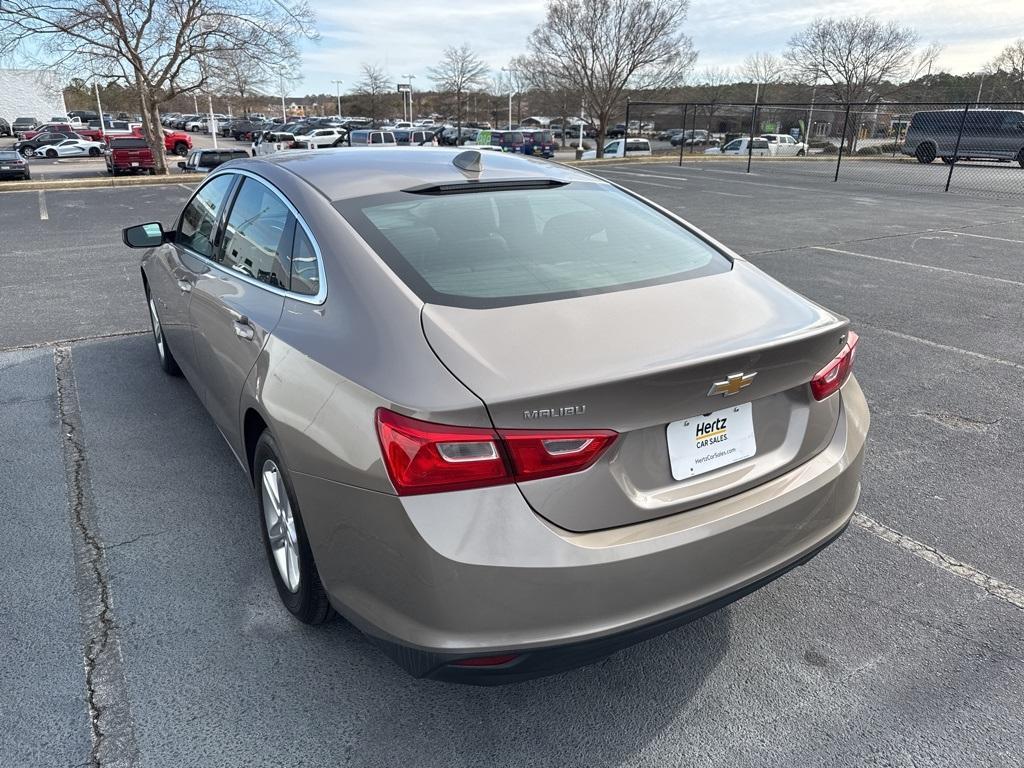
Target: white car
x=631 y=147
x=785 y=145
x=320 y=138
x=73 y=148
x=759 y=148
x=196 y=124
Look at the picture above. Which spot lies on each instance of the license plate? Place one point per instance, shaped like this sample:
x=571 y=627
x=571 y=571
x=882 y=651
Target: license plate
x=703 y=443
x=135 y=165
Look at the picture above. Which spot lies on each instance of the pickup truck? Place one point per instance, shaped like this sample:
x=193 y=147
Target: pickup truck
x=129 y=155
x=175 y=142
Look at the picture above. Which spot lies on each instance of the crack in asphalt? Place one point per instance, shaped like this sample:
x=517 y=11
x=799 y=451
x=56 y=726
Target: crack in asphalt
x=113 y=739
x=74 y=340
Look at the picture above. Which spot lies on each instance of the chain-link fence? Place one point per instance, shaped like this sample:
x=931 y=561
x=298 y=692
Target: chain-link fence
x=950 y=147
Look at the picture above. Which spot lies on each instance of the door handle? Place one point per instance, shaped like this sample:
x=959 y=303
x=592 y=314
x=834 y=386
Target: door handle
x=242 y=328
x=185 y=286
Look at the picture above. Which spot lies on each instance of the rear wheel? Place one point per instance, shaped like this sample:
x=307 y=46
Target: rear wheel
x=94 y=152
x=167 y=361
x=925 y=153
x=947 y=160
x=27 y=152
x=284 y=537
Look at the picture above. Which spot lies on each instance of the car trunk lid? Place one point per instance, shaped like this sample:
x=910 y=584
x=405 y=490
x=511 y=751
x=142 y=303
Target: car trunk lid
x=635 y=361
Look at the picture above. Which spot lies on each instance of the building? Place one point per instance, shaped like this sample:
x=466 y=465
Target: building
x=37 y=93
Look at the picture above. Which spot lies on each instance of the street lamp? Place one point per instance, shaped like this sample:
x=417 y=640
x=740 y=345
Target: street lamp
x=510 y=71
x=337 y=85
x=409 y=79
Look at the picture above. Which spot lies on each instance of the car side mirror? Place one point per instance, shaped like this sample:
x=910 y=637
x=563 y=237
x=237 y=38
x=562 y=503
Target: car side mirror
x=181 y=164
x=144 y=235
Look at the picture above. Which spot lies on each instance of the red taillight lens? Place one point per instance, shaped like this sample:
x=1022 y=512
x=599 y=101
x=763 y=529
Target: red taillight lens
x=487 y=661
x=422 y=457
x=830 y=378
x=537 y=454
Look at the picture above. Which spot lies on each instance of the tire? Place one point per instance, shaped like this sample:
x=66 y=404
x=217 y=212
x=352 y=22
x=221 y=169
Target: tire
x=925 y=153
x=180 y=148
x=801 y=153
x=947 y=160
x=94 y=152
x=167 y=362
x=291 y=559
x=27 y=152
x=52 y=154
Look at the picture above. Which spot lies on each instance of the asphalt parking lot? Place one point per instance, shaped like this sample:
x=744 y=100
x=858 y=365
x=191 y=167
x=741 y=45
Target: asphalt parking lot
x=141 y=625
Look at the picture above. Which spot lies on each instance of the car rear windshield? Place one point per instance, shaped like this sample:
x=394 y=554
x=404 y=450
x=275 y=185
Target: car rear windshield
x=515 y=246
x=9 y=156
x=128 y=144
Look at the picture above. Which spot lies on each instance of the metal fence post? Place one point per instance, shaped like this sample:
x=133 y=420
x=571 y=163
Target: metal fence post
x=956 y=149
x=625 y=133
x=750 y=141
x=682 y=136
x=842 y=141
x=693 y=130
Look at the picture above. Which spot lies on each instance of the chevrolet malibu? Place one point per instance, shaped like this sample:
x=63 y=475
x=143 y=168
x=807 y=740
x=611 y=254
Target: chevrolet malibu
x=502 y=415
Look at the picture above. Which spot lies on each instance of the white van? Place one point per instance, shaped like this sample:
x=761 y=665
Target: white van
x=632 y=147
x=759 y=148
x=372 y=138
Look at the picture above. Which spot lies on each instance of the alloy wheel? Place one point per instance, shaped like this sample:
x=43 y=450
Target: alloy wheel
x=280 y=523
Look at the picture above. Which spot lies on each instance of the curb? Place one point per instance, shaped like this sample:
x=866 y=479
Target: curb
x=111 y=182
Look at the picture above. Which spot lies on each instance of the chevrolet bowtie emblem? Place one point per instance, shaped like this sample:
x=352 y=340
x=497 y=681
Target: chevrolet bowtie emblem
x=731 y=385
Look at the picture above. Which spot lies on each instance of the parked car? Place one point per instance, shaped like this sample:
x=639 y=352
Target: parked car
x=538 y=142
x=129 y=155
x=30 y=147
x=319 y=138
x=758 y=148
x=988 y=134
x=616 y=131
x=509 y=141
x=690 y=138
x=269 y=142
x=414 y=137
x=22 y=124
x=5 y=128
x=491 y=511
x=244 y=130
x=785 y=145
x=73 y=148
x=206 y=160
x=634 y=147
x=669 y=134
x=13 y=166
x=366 y=138
x=64 y=127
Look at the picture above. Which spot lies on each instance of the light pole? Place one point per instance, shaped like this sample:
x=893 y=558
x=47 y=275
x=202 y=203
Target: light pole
x=509 y=70
x=337 y=86
x=284 y=110
x=409 y=79
x=99 y=108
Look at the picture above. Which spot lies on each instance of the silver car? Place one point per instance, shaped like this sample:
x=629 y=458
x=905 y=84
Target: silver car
x=502 y=415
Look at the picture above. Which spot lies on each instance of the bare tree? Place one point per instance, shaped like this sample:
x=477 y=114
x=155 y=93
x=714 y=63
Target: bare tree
x=550 y=92
x=713 y=83
x=236 y=77
x=375 y=86
x=763 y=69
x=856 y=57
x=162 y=48
x=459 y=72
x=1007 y=72
x=608 y=46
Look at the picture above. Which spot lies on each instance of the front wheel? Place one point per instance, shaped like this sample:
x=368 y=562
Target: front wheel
x=284 y=537
x=51 y=153
x=167 y=362
x=181 y=148
x=801 y=153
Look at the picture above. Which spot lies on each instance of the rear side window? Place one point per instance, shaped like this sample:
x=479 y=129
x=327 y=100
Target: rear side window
x=199 y=219
x=254 y=237
x=496 y=248
x=305 y=277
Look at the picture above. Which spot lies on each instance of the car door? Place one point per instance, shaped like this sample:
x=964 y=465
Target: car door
x=237 y=304
x=71 y=148
x=177 y=267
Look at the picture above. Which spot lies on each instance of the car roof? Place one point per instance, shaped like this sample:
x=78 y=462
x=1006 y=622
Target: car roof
x=347 y=173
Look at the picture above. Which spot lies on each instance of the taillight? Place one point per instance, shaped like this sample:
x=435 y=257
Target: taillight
x=422 y=457
x=537 y=454
x=829 y=379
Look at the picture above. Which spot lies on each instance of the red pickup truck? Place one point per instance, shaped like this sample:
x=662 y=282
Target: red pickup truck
x=129 y=155
x=177 y=142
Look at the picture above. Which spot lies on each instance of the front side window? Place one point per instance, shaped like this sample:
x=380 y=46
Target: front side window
x=199 y=219
x=254 y=235
x=496 y=248
x=734 y=144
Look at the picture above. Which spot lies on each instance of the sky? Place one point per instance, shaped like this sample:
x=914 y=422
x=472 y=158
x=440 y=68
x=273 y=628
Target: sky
x=408 y=38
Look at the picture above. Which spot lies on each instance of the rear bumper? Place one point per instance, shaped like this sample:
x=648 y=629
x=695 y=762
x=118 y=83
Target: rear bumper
x=443 y=577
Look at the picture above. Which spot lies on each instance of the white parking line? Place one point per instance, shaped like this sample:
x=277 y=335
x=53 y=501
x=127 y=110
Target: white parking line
x=43 y=214
x=647 y=175
x=929 y=267
x=984 y=237
x=946 y=347
x=991 y=585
